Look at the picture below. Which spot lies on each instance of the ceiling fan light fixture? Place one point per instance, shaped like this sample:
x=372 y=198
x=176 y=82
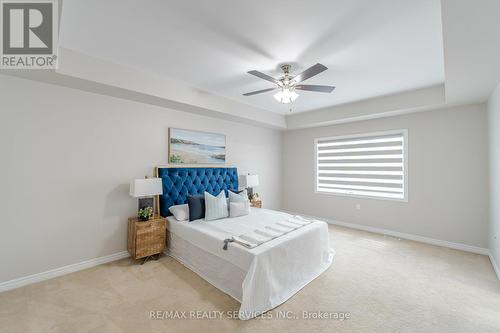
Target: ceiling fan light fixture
x=286 y=95
x=287 y=84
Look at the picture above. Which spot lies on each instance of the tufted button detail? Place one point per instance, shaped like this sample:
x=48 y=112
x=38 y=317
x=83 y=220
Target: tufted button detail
x=179 y=183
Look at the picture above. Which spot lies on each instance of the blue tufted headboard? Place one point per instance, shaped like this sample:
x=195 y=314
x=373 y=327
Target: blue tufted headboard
x=179 y=183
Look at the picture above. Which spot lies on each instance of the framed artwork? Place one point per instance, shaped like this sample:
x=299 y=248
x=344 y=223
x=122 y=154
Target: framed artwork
x=195 y=147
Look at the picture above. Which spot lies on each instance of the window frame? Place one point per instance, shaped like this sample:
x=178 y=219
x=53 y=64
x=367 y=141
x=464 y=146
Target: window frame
x=360 y=136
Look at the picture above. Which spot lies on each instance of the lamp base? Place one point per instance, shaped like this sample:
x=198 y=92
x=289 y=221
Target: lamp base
x=145 y=202
x=250 y=193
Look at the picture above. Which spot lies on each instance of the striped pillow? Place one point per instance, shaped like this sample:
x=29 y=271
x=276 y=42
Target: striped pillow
x=215 y=207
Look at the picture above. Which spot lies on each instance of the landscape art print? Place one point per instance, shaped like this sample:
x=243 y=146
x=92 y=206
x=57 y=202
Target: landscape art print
x=194 y=147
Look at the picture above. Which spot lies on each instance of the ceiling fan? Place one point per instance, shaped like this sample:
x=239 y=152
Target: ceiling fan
x=288 y=84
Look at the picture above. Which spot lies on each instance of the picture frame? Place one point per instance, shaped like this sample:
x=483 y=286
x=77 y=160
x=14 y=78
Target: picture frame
x=187 y=146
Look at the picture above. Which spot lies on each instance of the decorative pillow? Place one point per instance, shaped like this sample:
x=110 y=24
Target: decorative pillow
x=239 y=208
x=196 y=205
x=241 y=196
x=180 y=212
x=216 y=207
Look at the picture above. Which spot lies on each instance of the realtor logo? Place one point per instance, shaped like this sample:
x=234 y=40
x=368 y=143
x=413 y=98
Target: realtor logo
x=29 y=34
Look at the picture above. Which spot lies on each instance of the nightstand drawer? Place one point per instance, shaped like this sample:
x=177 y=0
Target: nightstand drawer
x=149 y=226
x=149 y=241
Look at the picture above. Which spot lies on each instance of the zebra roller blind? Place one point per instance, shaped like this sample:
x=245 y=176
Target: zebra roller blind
x=368 y=165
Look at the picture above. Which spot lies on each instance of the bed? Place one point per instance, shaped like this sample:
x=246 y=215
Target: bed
x=260 y=278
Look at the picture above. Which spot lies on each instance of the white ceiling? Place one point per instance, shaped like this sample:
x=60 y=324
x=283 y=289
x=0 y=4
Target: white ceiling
x=372 y=48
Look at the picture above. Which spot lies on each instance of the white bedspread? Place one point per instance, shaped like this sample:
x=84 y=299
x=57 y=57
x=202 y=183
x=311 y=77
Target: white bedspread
x=277 y=269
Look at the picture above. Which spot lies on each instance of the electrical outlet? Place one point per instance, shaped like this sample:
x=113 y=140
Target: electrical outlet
x=358 y=206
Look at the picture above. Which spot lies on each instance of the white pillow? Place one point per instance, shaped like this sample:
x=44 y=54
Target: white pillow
x=215 y=207
x=238 y=197
x=239 y=208
x=180 y=212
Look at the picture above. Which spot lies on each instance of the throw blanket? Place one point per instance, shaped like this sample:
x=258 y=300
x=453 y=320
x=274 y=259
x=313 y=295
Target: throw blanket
x=267 y=233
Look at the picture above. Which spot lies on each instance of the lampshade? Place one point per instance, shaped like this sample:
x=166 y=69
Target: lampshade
x=249 y=180
x=146 y=187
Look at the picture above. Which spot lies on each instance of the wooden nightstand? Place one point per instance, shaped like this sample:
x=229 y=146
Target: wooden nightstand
x=145 y=239
x=256 y=203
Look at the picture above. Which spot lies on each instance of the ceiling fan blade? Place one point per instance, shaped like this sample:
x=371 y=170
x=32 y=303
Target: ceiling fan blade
x=258 y=92
x=310 y=72
x=312 y=87
x=263 y=76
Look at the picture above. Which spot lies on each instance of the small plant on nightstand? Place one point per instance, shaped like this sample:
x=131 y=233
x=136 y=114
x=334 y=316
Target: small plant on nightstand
x=144 y=214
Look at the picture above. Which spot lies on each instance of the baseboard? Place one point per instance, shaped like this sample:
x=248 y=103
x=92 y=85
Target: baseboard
x=422 y=239
x=19 y=282
x=496 y=268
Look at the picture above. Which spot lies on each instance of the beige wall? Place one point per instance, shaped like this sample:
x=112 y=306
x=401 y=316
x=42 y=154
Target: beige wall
x=67 y=157
x=494 y=131
x=448 y=179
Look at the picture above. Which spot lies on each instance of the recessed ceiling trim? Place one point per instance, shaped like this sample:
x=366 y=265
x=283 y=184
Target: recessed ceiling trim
x=78 y=65
x=385 y=106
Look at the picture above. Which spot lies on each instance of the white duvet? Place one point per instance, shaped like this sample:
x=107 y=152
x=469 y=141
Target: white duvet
x=275 y=270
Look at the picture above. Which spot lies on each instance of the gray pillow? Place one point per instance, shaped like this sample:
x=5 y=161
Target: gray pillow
x=238 y=197
x=239 y=208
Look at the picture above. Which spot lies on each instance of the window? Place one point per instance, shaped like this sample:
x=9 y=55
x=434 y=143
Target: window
x=366 y=165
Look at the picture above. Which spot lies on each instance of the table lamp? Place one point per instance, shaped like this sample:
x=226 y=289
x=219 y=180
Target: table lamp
x=249 y=182
x=145 y=189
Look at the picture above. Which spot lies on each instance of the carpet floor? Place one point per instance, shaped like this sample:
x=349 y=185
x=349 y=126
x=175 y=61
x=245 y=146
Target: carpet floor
x=375 y=284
